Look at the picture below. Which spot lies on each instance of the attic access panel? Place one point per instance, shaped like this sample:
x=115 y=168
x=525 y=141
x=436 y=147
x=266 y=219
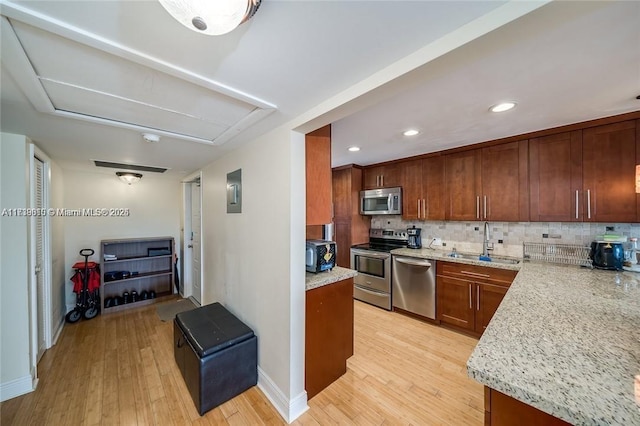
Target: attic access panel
x=89 y=83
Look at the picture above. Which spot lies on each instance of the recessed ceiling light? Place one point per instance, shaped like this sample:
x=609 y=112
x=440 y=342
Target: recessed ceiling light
x=354 y=148
x=502 y=106
x=411 y=132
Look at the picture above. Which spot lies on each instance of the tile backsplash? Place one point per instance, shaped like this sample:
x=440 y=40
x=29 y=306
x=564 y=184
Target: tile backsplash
x=467 y=236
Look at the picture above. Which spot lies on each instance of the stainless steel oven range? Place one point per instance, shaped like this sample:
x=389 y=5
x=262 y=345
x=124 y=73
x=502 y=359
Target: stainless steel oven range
x=373 y=263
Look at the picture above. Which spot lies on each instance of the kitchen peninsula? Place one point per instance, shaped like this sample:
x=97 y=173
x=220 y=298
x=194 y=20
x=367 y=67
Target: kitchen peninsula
x=328 y=327
x=566 y=341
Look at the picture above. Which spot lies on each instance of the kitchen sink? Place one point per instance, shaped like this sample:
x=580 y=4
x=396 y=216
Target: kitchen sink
x=502 y=260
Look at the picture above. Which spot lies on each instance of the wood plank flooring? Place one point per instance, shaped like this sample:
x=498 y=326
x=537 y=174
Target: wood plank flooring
x=118 y=369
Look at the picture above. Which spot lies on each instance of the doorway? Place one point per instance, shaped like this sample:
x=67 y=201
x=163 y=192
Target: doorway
x=40 y=256
x=192 y=239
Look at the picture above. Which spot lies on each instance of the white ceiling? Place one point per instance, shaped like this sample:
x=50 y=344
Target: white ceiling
x=129 y=61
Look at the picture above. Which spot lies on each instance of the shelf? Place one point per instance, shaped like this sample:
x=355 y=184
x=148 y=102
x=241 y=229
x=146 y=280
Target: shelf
x=153 y=273
x=128 y=259
x=161 y=297
x=140 y=276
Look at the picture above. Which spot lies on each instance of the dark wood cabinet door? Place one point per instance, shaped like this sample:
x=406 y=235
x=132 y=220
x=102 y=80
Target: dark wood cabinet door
x=455 y=302
x=488 y=298
x=371 y=177
x=328 y=334
x=341 y=184
x=412 y=182
x=555 y=171
x=386 y=176
x=342 y=237
x=318 y=176
x=433 y=188
x=463 y=185
x=609 y=160
x=505 y=182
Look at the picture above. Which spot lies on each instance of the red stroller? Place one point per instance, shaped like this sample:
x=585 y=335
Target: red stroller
x=86 y=285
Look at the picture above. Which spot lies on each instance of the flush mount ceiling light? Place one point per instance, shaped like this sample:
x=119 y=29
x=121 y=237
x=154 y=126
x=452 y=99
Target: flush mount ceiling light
x=354 y=148
x=212 y=17
x=503 y=106
x=150 y=137
x=411 y=132
x=129 y=177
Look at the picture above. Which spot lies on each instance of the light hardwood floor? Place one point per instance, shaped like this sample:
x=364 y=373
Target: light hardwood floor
x=118 y=369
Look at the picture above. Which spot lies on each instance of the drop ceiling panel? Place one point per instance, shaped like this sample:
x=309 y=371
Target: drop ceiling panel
x=99 y=84
x=95 y=104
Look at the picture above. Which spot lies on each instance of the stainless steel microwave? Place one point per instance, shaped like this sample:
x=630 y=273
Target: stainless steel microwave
x=381 y=201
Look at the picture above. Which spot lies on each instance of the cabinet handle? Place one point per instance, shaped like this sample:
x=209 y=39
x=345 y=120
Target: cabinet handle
x=588 y=203
x=475 y=274
x=470 y=296
x=485 y=206
x=477 y=207
x=418 y=208
x=377 y=180
x=424 y=209
x=576 y=204
x=478 y=298
x=381 y=180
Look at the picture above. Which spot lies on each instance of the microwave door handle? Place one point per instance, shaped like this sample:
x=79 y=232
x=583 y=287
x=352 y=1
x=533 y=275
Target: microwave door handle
x=390 y=202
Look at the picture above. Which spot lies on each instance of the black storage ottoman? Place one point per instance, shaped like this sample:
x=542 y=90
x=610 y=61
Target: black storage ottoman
x=217 y=355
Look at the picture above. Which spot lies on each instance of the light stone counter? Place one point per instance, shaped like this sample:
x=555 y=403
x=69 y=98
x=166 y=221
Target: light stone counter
x=566 y=340
x=469 y=259
x=328 y=277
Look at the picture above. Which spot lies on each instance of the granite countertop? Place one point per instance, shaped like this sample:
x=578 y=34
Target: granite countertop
x=566 y=340
x=469 y=259
x=328 y=277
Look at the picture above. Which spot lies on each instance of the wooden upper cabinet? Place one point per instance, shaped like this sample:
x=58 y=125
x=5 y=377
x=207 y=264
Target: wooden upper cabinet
x=411 y=189
x=555 y=174
x=488 y=183
x=423 y=189
x=610 y=154
x=505 y=182
x=318 y=176
x=386 y=176
x=463 y=182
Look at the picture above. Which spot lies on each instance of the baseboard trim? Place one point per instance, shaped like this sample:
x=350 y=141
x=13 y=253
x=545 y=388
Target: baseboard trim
x=17 y=387
x=288 y=409
x=57 y=332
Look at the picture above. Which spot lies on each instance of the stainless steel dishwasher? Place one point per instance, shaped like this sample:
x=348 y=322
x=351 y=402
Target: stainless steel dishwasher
x=413 y=283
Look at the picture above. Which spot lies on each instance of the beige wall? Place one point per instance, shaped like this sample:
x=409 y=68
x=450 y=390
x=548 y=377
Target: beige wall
x=154 y=204
x=15 y=374
x=253 y=261
x=59 y=274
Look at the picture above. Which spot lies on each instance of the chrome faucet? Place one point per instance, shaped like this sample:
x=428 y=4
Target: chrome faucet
x=486 y=245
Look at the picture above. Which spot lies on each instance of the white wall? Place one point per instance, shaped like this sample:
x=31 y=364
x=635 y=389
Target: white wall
x=253 y=261
x=154 y=204
x=15 y=375
x=58 y=271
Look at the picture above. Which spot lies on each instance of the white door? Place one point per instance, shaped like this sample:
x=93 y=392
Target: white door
x=39 y=257
x=196 y=242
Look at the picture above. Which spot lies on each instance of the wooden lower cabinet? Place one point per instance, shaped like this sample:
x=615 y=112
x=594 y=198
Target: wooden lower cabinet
x=328 y=334
x=467 y=296
x=503 y=410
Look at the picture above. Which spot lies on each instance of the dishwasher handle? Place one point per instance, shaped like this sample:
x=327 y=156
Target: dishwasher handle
x=413 y=262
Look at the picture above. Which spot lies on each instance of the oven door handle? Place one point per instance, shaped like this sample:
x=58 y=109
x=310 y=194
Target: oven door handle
x=365 y=253
x=372 y=292
x=413 y=262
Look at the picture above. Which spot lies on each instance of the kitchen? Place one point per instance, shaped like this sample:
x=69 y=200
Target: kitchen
x=490 y=256
x=257 y=282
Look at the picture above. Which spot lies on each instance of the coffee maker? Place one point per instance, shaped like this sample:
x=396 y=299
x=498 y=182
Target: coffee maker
x=414 y=241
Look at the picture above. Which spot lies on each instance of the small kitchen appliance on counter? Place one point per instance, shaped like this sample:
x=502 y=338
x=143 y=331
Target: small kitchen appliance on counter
x=607 y=255
x=414 y=240
x=320 y=255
